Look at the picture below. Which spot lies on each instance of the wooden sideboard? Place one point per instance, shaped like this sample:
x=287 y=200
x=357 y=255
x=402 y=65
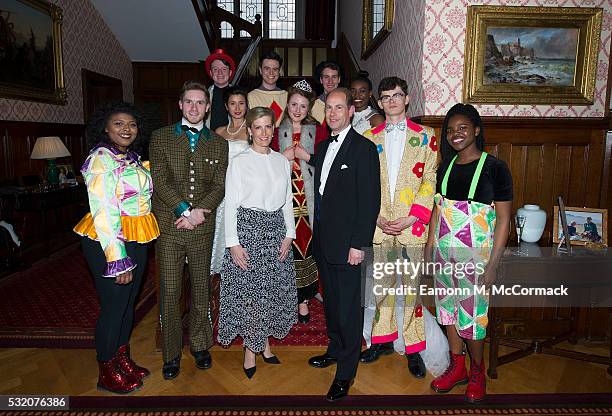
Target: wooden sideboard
x=536 y=324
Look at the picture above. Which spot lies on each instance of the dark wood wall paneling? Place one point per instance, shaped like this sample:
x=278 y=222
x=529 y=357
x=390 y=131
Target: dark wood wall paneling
x=18 y=139
x=157 y=86
x=42 y=231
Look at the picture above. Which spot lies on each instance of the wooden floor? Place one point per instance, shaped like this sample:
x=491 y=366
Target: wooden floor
x=74 y=372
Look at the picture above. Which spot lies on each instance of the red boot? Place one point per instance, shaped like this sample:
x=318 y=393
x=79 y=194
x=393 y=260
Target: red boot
x=127 y=365
x=454 y=375
x=113 y=380
x=477 y=387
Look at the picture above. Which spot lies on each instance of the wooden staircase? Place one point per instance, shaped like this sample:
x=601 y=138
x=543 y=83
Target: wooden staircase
x=300 y=57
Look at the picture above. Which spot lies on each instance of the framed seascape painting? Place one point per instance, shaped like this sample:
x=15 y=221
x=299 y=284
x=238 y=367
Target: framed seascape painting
x=31 y=51
x=531 y=55
x=585 y=225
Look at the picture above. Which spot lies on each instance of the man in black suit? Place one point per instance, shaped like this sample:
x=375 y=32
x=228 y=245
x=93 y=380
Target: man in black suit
x=347 y=201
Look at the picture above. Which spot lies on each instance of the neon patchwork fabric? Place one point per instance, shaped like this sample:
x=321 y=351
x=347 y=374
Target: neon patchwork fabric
x=118 y=185
x=464 y=235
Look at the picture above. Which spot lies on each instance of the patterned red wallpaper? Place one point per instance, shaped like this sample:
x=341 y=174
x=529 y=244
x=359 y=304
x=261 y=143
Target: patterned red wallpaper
x=443 y=53
x=87 y=43
x=426 y=47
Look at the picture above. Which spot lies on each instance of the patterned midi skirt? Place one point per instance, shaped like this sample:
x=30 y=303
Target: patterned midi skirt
x=261 y=301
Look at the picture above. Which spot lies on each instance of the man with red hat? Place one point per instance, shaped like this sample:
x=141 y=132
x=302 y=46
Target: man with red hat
x=220 y=67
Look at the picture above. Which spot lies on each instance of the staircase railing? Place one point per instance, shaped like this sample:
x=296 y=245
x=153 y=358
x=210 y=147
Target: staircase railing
x=204 y=12
x=346 y=58
x=246 y=60
x=210 y=17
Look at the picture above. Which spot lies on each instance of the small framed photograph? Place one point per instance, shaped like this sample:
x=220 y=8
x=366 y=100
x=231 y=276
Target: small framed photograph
x=584 y=225
x=66 y=174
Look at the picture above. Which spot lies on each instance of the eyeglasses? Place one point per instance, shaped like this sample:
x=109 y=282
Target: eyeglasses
x=395 y=97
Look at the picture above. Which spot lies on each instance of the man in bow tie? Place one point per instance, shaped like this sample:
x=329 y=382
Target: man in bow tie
x=408 y=160
x=188 y=164
x=347 y=201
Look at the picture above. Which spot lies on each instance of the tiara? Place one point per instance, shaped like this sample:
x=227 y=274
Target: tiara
x=303 y=85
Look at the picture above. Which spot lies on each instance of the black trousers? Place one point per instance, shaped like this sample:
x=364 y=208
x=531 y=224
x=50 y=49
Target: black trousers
x=114 y=324
x=343 y=314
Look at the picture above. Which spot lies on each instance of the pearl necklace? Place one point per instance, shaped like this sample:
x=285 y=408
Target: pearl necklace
x=237 y=131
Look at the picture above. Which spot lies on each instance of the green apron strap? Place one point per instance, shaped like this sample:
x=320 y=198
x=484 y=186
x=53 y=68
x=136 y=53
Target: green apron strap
x=446 y=175
x=476 y=176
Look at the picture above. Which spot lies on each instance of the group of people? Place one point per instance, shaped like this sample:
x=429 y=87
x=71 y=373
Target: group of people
x=281 y=192
x=590 y=231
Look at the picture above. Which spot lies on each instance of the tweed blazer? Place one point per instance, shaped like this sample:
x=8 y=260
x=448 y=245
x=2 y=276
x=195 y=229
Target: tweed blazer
x=182 y=175
x=416 y=181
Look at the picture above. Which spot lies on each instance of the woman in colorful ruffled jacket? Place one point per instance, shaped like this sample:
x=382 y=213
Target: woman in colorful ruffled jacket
x=115 y=233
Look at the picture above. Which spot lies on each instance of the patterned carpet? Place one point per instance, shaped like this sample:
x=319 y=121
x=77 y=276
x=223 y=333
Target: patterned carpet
x=314 y=333
x=503 y=404
x=54 y=304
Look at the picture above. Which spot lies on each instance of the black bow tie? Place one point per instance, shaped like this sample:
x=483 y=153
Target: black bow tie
x=191 y=129
x=333 y=138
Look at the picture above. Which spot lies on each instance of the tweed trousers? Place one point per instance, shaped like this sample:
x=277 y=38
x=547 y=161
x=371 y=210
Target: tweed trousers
x=171 y=255
x=198 y=178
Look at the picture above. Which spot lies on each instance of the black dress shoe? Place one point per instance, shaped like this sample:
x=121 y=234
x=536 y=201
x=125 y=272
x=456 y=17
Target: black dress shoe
x=171 y=369
x=339 y=389
x=304 y=319
x=250 y=372
x=416 y=366
x=322 y=361
x=271 y=360
x=203 y=359
x=376 y=350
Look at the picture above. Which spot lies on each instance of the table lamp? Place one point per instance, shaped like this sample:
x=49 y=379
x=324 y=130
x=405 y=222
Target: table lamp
x=50 y=148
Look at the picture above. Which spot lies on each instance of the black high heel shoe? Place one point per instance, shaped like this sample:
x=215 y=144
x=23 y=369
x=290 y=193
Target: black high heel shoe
x=271 y=360
x=250 y=372
x=303 y=319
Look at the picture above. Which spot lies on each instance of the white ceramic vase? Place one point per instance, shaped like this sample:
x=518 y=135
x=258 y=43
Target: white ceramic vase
x=535 y=221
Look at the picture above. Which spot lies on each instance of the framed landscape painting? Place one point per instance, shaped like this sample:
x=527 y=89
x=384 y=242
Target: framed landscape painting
x=31 y=51
x=531 y=55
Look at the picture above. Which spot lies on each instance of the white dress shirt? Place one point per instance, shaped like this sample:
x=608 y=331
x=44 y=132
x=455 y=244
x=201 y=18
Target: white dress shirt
x=395 y=140
x=260 y=182
x=195 y=126
x=330 y=155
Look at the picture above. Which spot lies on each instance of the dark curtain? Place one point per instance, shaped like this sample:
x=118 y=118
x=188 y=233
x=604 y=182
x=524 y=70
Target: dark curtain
x=319 y=20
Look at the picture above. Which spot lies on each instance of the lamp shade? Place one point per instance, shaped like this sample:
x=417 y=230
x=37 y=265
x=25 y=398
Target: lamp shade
x=49 y=148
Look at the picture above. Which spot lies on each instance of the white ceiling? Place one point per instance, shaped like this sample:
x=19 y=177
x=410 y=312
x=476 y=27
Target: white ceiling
x=155 y=30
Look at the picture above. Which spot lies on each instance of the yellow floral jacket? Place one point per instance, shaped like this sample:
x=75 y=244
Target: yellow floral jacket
x=416 y=181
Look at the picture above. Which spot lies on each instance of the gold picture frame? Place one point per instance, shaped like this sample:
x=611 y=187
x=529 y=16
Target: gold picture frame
x=577 y=218
x=31 y=63
x=556 y=64
x=378 y=18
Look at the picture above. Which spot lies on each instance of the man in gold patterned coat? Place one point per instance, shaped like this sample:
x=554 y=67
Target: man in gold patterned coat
x=408 y=161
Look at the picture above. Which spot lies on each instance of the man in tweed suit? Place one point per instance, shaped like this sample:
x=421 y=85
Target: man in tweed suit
x=188 y=164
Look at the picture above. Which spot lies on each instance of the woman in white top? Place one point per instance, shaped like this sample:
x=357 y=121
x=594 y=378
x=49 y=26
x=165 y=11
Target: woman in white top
x=236 y=135
x=365 y=117
x=258 y=291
